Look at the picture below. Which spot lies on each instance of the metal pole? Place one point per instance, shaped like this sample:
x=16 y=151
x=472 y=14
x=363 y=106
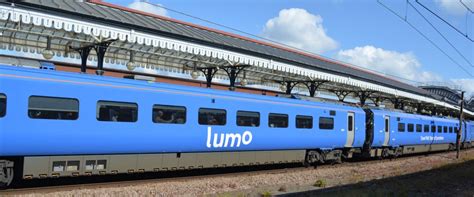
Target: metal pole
x=209 y=76
x=232 y=77
x=458 y=136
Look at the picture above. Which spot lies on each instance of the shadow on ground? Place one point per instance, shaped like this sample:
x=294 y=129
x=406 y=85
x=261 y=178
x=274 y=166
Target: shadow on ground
x=450 y=180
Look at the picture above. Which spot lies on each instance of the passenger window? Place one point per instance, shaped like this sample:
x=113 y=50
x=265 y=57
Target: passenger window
x=304 y=122
x=401 y=127
x=450 y=129
x=440 y=129
x=386 y=125
x=433 y=129
x=248 y=119
x=326 y=123
x=168 y=114
x=426 y=128
x=212 y=116
x=418 y=128
x=53 y=108
x=411 y=128
x=445 y=129
x=277 y=120
x=3 y=105
x=116 y=111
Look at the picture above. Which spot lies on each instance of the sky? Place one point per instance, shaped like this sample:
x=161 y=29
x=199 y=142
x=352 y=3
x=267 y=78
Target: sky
x=361 y=32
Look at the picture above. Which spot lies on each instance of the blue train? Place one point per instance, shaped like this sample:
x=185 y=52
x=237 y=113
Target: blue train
x=55 y=124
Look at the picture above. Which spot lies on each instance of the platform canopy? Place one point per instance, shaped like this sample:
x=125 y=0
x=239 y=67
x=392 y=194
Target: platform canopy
x=166 y=47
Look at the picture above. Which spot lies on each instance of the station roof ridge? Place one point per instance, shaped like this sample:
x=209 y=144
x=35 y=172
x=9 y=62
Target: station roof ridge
x=292 y=50
x=207 y=35
x=276 y=45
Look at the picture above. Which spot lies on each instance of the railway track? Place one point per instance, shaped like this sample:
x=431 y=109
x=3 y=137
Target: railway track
x=43 y=186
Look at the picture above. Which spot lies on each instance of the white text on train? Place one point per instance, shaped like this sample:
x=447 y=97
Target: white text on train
x=431 y=138
x=223 y=140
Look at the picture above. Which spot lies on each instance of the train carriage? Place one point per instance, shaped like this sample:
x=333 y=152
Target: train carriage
x=55 y=124
x=401 y=133
x=66 y=124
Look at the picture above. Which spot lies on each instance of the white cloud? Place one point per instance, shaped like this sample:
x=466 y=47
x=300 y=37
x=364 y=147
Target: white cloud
x=454 y=6
x=466 y=84
x=299 y=28
x=403 y=65
x=145 y=6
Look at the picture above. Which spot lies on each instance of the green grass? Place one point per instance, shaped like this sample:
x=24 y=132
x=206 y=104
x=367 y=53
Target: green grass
x=320 y=183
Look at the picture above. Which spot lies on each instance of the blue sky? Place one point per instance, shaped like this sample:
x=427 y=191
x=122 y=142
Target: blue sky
x=360 y=32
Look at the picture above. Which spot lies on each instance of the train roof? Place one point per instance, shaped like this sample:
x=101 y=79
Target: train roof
x=61 y=75
x=414 y=116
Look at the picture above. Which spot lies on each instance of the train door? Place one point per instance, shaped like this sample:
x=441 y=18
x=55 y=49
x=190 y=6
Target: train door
x=350 y=129
x=386 y=130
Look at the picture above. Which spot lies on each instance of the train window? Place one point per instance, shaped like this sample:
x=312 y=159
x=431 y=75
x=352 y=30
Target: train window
x=440 y=129
x=116 y=111
x=418 y=128
x=3 y=105
x=277 y=120
x=212 y=116
x=450 y=129
x=248 y=119
x=326 y=123
x=386 y=124
x=304 y=122
x=411 y=127
x=445 y=129
x=169 y=114
x=426 y=128
x=455 y=130
x=401 y=127
x=433 y=129
x=55 y=108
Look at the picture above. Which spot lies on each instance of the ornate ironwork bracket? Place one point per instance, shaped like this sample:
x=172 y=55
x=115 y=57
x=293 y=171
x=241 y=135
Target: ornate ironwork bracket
x=233 y=72
x=100 y=49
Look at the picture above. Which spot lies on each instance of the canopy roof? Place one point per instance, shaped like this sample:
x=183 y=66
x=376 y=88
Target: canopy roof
x=106 y=14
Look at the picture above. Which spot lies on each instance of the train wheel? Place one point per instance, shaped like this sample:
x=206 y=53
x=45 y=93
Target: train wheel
x=452 y=147
x=6 y=173
x=312 y=158
x=398 y=152
x=385 y=153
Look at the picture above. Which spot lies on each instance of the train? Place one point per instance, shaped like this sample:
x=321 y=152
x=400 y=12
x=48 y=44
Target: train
x=63 y=124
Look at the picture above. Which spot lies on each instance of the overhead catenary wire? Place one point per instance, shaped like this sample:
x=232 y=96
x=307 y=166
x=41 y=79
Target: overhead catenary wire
x=442 y=19
x=436 y=29
x=426 y=37
x=467 y=7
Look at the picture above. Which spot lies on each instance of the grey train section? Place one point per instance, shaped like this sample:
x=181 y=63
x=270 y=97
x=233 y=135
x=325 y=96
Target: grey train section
x=84 y=165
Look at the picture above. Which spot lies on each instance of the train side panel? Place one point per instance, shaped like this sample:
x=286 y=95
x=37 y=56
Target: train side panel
x=87 y=135
x=414 y=133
